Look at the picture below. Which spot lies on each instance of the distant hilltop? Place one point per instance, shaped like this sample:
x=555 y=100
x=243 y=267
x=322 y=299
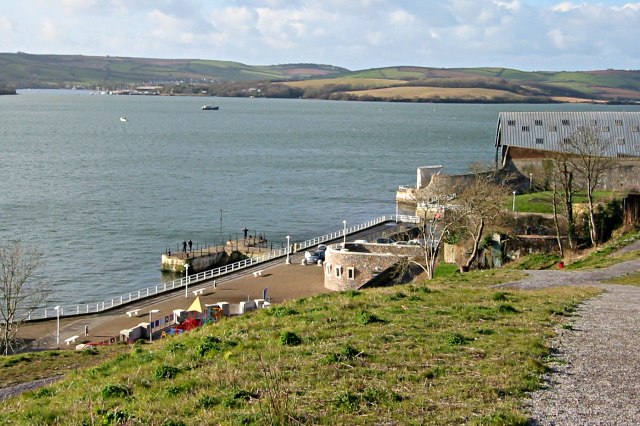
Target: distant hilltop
x=400 y=84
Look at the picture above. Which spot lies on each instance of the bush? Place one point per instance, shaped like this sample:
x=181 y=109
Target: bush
x=281 y=311
x=115 y=391
x=166 y=372
x=289 y=338
x=365 y=318
x=457 y=339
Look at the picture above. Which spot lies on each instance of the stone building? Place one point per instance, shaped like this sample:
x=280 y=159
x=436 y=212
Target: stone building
x=525 y=139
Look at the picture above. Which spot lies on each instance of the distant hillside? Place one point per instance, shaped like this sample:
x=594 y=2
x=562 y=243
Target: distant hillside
x=421 y=84
x=405 y=84
x=24 y=70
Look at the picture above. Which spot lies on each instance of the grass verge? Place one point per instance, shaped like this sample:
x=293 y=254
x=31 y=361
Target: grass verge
x=450 y=351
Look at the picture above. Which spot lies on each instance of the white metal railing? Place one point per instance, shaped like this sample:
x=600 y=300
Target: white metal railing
x=184 y=282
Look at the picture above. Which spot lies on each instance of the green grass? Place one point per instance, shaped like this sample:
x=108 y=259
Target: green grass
x=601 y=257
x=630 y=279
x=540 y=202
x=450 y=351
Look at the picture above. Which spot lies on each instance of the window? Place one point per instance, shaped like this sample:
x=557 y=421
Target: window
x=635 y=129
x=565 y=122
x=593 y=122
x=621 y=141
x=618 y=122
x=566 y=141
x=351 y=273
x=553 y=128
x=539 y=141
x=605 y=128
x=511 y=122
x=338 y=271
x=525 y=128
x=538 y=122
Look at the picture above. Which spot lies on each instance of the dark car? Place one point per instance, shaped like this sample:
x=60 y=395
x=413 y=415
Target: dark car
x=313 y=258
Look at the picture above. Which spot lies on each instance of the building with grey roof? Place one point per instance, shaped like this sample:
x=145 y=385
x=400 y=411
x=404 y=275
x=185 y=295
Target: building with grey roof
x=538 y=134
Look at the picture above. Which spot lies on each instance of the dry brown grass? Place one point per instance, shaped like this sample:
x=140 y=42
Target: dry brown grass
x=423 y=92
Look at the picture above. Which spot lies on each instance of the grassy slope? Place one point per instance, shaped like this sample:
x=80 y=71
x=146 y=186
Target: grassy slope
x=453 y=352
x=77 y=69
x=93 y=70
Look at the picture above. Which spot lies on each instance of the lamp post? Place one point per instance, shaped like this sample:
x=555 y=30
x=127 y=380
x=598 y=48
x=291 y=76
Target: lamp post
x=344 y=233
x=57 y=308
x=186 y=280
x=514 y=201
x=151 y=312
x=530 y=181
x=288 y=261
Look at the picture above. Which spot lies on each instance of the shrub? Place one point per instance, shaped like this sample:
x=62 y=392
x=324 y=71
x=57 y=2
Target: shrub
x=364 y=318
x=289 y=338
x=281 y=311
x=506 y=309
x=457 y=339
x=499 y=296
x=115 y=391
x=166 y=372
x=206 y=401
x=116 y=417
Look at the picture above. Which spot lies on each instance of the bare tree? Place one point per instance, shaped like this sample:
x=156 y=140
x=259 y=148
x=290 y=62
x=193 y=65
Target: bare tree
x=479 y=203
x=587 y=155
x=21 y=289
x=464 y=208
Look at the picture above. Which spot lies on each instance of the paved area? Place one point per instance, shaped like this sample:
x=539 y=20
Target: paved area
x=283 y=282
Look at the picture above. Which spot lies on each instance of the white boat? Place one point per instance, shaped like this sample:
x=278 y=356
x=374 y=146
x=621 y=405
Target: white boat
x=210 y=108
x=123 y=118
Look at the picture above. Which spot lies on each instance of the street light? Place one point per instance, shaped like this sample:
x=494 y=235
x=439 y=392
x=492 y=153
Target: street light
x=288 y=261
x=57 y=308
x=344 y=233
x=514 y=201
x=151 y=312
x=530 y=181
x=186 y=279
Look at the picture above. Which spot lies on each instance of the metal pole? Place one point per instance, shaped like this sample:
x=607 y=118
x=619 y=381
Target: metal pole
x=344 y=233
x=186 y=280
x=514 y=201
x=57 y=308
x=288 y=262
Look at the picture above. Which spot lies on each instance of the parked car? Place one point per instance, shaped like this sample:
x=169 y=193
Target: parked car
x=313 y=257
x=361 y=241
x=384 y=240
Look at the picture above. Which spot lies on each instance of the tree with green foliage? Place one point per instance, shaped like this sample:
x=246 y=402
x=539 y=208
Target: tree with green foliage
x=22 y=289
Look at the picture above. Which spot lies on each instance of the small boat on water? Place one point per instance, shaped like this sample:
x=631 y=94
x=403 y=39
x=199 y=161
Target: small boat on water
x=210 y=108
x=123 y=118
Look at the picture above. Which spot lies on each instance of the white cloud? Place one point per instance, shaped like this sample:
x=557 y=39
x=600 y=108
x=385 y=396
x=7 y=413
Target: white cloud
x=401 y=17
x=49 y=31
x=634 y=7
x=566 y=6
x=6 y=25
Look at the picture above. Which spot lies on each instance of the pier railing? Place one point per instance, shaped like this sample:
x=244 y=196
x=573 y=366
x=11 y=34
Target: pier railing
x=185 y=282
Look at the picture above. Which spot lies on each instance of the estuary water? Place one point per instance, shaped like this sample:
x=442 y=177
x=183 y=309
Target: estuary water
x=103 y=198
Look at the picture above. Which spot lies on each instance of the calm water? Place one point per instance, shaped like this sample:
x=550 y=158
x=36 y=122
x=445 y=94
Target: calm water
x=104 y=198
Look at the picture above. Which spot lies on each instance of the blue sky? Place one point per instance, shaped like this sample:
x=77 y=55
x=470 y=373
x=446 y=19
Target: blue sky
x=356 y=34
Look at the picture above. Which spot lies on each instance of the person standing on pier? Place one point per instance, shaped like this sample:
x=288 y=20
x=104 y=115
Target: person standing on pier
x=190 y=244
x=245 y=230
x=184 y=246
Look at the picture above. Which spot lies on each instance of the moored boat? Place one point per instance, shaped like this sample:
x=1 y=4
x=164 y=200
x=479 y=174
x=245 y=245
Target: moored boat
x=210 y=108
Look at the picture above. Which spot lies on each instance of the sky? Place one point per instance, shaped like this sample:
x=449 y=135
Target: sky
x=356 y=34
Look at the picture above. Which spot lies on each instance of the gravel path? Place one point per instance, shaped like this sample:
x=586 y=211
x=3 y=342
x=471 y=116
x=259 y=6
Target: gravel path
x=597 y=378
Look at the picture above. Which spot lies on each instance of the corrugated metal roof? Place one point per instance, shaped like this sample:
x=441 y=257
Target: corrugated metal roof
x=547 y=130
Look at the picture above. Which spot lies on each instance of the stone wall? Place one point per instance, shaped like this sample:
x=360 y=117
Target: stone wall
x=357 y=264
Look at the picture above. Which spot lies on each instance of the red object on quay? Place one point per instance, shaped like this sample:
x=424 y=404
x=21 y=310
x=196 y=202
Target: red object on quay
x=560 y=265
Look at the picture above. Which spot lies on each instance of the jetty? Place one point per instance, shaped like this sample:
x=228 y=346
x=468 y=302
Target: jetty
x=205 y=257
